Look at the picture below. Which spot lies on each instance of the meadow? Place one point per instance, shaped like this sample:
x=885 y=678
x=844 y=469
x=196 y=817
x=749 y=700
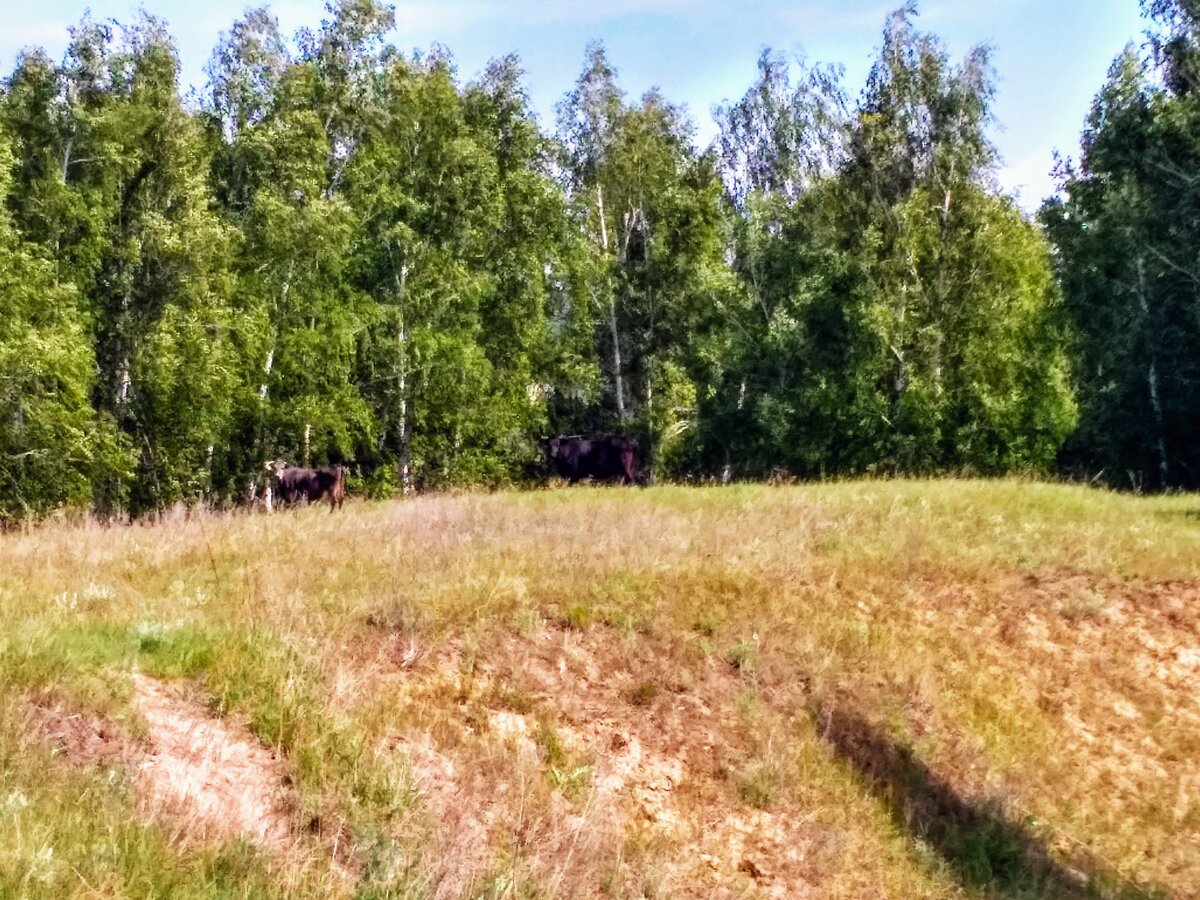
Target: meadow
x=864 y=689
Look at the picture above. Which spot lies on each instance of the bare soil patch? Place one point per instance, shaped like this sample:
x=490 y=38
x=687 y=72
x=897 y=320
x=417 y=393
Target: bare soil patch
x=642 y=791
x=205 y=780
x=464 y=808
x=82 y=737
x=211 y=781
x=663 y=766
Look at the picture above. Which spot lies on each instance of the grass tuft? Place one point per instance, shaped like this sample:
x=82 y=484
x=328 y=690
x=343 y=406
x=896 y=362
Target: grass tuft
x=643 y=693
x=757 y=787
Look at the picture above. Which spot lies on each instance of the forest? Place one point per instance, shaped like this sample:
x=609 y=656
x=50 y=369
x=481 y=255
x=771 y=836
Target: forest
x=337 y=252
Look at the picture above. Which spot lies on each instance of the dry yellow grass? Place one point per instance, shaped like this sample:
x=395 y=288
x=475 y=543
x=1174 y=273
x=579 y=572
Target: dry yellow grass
x=901 y=689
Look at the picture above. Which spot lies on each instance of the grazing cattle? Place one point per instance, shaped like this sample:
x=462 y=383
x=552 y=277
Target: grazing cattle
x=601 y=458
x=298 y=485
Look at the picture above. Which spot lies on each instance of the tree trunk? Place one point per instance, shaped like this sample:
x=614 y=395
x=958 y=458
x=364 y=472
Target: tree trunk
x=265 y=388
x=651 y=446
x=123 y=387
x=66 y=160
x=1152 y=379
x=404 y=437
x=402 y=389
x=651 y=433
x=900 y=371
x=123 y=383
x=618 y=381
x=208 y=473
x=943 y=312
x=618 y=378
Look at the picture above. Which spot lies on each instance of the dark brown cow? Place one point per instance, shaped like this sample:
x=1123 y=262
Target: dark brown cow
x=298 y=485
x=602 y=458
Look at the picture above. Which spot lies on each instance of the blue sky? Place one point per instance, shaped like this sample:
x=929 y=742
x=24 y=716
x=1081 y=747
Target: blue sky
x=1051 y=55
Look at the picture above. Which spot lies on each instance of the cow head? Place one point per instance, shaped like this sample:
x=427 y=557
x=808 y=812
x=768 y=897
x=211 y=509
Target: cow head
x=276 y=466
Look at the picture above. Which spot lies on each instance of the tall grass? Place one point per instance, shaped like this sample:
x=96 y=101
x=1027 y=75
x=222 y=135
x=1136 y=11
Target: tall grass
x=1020 y=662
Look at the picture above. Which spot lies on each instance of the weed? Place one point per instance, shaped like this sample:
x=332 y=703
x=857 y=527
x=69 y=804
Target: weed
x=706 y=624
x=578 y=616
x=546 y=736
x=1082 y=606
x=757 y=786
x=573 y=783
x=616 y=617
x=744 y=656
x=403 y=615
x=507 y=696
x=565 y=769
x=643 y=693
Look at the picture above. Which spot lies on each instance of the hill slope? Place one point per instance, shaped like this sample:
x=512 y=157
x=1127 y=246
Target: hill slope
x=905 y=689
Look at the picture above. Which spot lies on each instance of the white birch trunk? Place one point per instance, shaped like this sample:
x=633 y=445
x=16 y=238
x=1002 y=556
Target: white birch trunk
x=401 y=277
x=618 y=378
x=264 y=389
x=208 y=465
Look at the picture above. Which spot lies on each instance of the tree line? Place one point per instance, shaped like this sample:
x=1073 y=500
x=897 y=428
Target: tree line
x=338 y=252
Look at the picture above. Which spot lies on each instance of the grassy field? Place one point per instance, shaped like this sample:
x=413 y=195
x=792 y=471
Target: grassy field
x=872 y=689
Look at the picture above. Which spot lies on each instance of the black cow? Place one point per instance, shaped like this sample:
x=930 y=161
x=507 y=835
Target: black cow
x=298 y=485
x=601 y=458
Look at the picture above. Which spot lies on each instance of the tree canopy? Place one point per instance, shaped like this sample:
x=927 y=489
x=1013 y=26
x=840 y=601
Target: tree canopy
x=341 y=253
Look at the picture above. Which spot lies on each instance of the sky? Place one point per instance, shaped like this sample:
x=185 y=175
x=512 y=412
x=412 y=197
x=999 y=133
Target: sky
x=1051 y=56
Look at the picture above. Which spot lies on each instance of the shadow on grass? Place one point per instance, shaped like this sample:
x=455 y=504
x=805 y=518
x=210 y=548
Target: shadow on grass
x=986 y=850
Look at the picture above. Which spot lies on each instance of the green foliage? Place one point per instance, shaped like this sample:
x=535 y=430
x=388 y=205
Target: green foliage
x=53 y=445
x=452 y=255
x=112 y=170
x=347 y=255
x=643 y=693
x=901 y=316
x=649 y=205
x=744 y=656
x=1126 y=233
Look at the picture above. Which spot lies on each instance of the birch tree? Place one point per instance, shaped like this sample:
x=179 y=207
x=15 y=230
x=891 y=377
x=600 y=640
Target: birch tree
x=54 y=448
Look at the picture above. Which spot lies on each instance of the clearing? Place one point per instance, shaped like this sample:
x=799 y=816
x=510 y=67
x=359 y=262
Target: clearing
x=868 y=689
